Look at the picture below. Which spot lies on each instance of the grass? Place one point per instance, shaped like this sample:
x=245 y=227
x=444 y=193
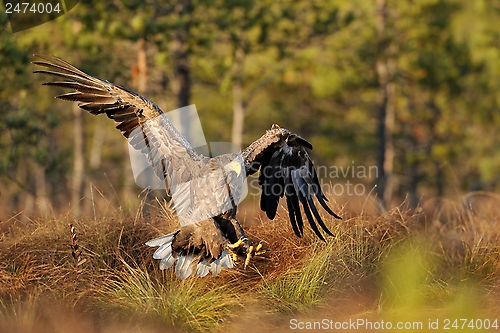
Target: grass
x=19 y=313
x=198 y=304
x=443 y=261
x=299 y=288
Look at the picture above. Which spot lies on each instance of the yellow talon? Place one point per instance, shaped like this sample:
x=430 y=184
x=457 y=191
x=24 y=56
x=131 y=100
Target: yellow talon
x=258 y=250
x=232 y=249
x=249 y=256
x=235 y=245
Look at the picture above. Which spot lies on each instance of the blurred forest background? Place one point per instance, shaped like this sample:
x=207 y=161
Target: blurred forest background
x=408 y=86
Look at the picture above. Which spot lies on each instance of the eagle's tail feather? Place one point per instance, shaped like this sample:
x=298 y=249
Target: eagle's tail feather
x=224 y=260
x=164 y=252
x=162 y=240
x=203 y=268
x=187 y=262
x=167 y=262
x=183 y=268
x=215 y=267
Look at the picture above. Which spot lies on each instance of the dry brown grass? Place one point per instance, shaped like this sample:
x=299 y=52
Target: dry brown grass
x=377 y=263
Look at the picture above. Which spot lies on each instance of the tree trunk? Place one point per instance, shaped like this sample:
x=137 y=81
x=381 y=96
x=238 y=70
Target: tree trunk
x=436 y=139
x=97 y=144
x=440 y=181
x=94 y=163
x=142 y=67
x=78 y=162
x=384 y=68
x=127 y=193
x=238 y=103
x=41 y=197
x=29 y=207
x=182 y=84
x=413 y=184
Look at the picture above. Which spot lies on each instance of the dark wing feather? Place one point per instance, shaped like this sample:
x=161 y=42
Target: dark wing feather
x=291 y=214
x=293 y=205
x=286 y=170
x=139 y=120
x=304 y=198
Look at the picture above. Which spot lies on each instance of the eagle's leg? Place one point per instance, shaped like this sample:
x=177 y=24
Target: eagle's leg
x=241 y=244
x=253 y=251
x=233 y=248
x=250 y=249
x=235 y=233
x=240 y=233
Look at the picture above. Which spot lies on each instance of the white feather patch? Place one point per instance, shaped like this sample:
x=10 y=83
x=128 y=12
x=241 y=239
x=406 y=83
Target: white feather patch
x=287 y=149
x=226 y=260
x=203 y=268
x=215 y=267
x=183 y=268
x=161 y=240
x=167 y=262
x=163 y=251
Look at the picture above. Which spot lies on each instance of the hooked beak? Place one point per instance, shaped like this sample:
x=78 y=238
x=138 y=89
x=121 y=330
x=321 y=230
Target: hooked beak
x=234 y=166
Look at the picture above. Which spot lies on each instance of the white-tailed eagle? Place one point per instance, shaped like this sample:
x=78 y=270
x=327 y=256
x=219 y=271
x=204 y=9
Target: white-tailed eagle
x=205 y=191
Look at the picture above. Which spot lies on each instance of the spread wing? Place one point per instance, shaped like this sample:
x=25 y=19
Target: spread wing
x=286 y=170
x=139 y=120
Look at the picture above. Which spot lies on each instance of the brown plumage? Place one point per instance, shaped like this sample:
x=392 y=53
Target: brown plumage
x=205 y=191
